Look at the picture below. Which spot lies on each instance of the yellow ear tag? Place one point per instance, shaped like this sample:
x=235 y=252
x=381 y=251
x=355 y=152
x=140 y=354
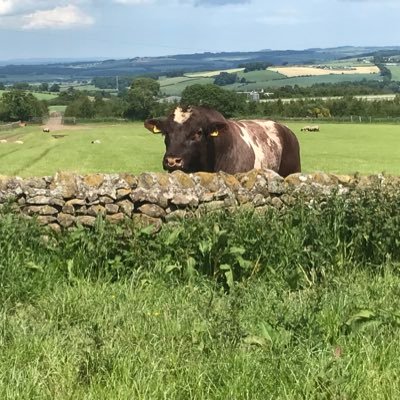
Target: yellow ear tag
x=155 y=129
x=215 y=133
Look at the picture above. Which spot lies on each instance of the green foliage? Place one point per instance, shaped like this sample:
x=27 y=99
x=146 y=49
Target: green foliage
x=82 y=107
x=225 y=78
x=44 y=87
x=227 y=102
x=141 y=98
x=55 y=88
x=255 y=66
x=20 y=105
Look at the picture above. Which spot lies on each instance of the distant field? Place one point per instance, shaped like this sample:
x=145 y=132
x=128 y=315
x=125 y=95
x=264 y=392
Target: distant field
x=395 y=70
x=57 y=108
x=338 y=148
x=293 y=71
x=175 y=86
x=40 y=96
x=275 y=77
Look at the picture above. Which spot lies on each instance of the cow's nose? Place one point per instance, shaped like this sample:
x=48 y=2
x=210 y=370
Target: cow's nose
x=174 y=161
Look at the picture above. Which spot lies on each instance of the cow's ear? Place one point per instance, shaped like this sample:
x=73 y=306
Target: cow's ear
x=154 y=125
x=217 y=127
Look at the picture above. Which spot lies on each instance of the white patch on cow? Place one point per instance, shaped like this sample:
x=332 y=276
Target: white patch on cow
x=271 y=132
x=264 y=157
x=181 y=116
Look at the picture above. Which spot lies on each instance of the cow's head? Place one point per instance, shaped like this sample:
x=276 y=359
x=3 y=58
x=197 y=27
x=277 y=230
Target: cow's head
x=189 y=135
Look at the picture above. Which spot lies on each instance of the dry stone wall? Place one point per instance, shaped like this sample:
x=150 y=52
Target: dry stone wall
x=67 y=200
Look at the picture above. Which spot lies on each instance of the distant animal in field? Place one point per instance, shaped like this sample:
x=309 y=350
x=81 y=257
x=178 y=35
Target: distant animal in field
x=22 y=124
x=19 y=142
x=310 y=128
x=3 y=141
x=201 y=139
x=96 y=141
x=47 y=130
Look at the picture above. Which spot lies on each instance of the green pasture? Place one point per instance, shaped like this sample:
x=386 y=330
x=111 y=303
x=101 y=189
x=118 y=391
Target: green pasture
x=395 y=70
x=175 y=86
x=129 y=147
x=123 y=147
x=350 y=148
x=57 y=109
x=38 y=95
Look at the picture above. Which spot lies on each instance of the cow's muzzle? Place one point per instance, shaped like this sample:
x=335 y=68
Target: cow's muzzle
x=172 y=163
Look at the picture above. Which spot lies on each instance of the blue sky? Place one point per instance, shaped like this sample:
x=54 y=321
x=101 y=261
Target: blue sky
x=130 y=28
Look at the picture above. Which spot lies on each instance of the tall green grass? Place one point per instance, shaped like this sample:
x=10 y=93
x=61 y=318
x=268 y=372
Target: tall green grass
x=296 y=304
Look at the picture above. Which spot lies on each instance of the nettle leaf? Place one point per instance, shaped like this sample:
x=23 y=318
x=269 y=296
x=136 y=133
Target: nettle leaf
x=170 y=268
x=173 y=236
x=148 y=230
x=237 y=250
x=228 y=274
x=255 y=340
x=363 y=320
x=190 y=266
x=268 y=332
x=205 y=247
x=363 y=315
x=34 y=267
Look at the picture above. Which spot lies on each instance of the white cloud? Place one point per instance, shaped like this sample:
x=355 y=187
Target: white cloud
x=59 y=17
x=6 y=6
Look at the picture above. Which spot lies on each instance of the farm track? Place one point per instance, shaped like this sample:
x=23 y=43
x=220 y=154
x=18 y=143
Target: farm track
x=8 y=153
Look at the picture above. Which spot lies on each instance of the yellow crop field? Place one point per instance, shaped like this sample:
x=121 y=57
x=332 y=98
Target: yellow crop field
x=310 y=70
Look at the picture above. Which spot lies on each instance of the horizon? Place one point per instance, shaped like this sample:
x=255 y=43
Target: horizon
x=56 y=60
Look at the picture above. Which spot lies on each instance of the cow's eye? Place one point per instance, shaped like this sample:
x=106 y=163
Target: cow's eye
x=196 y=136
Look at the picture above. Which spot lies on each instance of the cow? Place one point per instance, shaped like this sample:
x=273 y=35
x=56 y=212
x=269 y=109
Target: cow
x=47 y=130
x=201 y=139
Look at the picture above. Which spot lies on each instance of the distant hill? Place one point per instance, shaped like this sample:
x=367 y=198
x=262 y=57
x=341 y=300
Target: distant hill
x=67 y=70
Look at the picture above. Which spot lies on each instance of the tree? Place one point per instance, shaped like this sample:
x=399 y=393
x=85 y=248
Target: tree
x=225 y=78
x=19 y=105
x=21 y=86
x=82 y=107
x=44 y=87
x=55 y=88
x=141 y=98
x=225 y=101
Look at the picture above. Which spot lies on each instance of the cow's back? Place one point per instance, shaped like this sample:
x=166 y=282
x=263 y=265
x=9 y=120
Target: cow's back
x=274 y=145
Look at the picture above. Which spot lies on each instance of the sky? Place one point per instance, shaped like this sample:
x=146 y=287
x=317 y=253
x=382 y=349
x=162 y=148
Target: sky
x=138 y=28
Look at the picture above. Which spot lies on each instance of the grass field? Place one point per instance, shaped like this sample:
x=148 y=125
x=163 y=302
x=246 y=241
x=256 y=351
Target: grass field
x=128 y=147
x=395 y=70
x=175 y=86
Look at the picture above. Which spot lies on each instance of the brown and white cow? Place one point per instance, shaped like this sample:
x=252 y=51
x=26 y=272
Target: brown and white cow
x=201 y=139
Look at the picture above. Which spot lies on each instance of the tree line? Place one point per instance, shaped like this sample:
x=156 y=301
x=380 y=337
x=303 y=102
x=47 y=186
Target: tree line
x=143 y=100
